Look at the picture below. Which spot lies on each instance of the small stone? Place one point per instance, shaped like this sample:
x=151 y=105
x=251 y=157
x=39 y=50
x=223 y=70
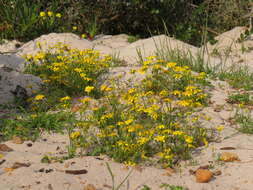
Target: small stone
x=89 y=187
x=49 y=170
x=17 y=140
x=203 y=176
x=5 y=148
x=229 y=157
x=217 y=173
x=29 y=144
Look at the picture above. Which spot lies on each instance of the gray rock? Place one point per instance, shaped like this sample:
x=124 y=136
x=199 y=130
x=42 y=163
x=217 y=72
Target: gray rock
x=13 y=83
x=11 y=63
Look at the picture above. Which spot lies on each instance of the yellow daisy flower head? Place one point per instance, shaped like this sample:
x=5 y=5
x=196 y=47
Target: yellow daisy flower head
x=49 y=13
x=84 y=36
x=42 y=14
x=75 y=134
x=58 y=15
x=65 y=98
x=88 y=89
x=219 y=128
x=39 y=97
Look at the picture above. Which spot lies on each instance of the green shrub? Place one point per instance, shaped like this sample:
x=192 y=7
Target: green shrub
x=68 y=69
x=25 y=20
x=153 y=122
x=187 y=20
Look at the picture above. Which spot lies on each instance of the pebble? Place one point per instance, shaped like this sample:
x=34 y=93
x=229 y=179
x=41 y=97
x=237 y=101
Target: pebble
x=203 y=176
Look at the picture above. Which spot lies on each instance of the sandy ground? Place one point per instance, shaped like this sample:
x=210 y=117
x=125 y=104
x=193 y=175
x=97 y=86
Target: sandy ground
x=34 y=175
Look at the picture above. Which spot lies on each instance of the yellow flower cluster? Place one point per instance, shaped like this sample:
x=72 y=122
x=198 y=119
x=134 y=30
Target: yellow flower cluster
x=71 y=69
x=39 y=97
x=50 y=14
x=154 y=118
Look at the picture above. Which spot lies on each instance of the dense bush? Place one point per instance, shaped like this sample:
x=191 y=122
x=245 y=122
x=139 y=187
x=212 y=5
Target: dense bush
x=184 y=19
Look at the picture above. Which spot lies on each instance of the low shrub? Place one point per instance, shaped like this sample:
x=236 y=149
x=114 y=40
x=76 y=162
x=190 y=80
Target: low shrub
x=153 y=122
x=66 y=72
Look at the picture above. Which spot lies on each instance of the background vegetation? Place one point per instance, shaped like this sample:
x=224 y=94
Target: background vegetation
x=185 y=19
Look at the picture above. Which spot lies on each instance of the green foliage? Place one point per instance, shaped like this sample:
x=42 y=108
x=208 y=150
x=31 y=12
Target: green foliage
x=29 y=126
x=187 y=20
x=237 y=77
x=244 y=118
x=240 y=98
x=132 y=39
x=171 y=187
x=223 y=15
x=20 y=19
x=244 y=35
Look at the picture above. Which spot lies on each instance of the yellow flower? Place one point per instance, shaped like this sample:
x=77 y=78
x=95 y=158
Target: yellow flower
x=65 y=98
x=88 y=89
x=219 y=128
x=105 y=88
x=171 y=64
x=178 y=133
x=176 y=93
x=58 y=15
x=75 y=134
x=143 y=70
x=164 y=93
x=55 y=69
x=188 y=139
x=160 y=126
x=28 y=57
x=147 y=62
x=33 y=116
x=131 y=129
x=183 y=103
x=129 y=163
x=49 y=13
x=205 y=142
x=39 y=97
x=177 y=76
x=160 y=138
x=42 y=14
x=127 y=122
x=131 y=90
x=95 y=109
x=142 y=140
x=84 y=36
x=74 y=28
x=46 y=81
x=78 y=70
x=168 y=100
x=151 y=57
